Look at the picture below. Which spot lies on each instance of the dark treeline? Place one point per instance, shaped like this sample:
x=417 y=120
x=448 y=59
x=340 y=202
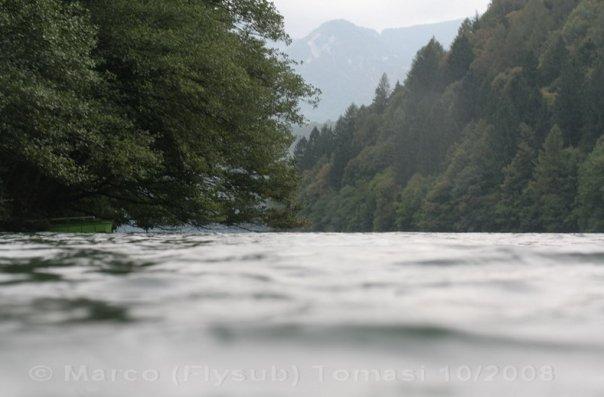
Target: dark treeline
x=503 y=132
x=151 y=111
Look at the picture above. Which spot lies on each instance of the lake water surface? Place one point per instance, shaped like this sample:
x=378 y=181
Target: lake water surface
x=261 y=314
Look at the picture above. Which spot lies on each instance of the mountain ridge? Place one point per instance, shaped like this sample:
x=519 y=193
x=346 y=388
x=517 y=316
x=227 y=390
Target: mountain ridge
x=346 y=61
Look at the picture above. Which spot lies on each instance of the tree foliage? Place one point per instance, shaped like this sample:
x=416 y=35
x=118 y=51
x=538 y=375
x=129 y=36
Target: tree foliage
x=590 y=209
x=496 y=134
x=555 y=184
x=146 y=111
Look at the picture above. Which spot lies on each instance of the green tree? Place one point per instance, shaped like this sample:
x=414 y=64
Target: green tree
x=300 y=153
x=409 y=211
x=553 y=59
x=463 y=197
x=344 y=148
x=64 y=148
x=514 y=203
x=382 y=93
x=426 y=72
x=590 y=209
x=554 y=185
x=594 y=103
x=420 y=138
x=385 y=189
x=147 y=111
x=461 y=55
x=569 y=105
x=214 y=96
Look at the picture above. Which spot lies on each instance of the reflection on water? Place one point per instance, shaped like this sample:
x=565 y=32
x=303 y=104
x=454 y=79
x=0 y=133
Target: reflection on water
x=232 y=314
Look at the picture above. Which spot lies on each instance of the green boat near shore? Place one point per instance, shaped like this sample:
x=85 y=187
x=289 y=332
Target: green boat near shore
x=80 y=225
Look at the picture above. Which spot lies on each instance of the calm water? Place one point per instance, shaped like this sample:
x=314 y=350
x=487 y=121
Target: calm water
x=301 y=315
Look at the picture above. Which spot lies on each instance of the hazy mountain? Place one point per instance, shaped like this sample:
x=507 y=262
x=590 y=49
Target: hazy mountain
x=346 y=61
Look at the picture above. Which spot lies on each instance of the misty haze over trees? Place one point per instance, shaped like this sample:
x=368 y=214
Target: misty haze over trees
x=501 y=133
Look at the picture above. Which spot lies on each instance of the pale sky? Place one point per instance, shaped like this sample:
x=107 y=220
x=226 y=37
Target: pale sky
x=302 y=16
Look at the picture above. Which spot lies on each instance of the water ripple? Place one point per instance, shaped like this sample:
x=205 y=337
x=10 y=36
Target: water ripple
x=134 y=300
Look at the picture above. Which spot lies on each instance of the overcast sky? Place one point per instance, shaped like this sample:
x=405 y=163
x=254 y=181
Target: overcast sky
x=302 y=16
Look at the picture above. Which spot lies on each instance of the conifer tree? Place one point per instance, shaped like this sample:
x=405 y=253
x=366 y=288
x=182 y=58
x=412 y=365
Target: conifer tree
x=461 y=55
x=344 y=150
x=409 y=211
x=593 y=125
x=382 y=93
x=514 y=204
x=300 y=153
x=461 y=199
x=590 y=208
x=569 y=104
x=553 y=58
x=426 y=72
x=554 y=185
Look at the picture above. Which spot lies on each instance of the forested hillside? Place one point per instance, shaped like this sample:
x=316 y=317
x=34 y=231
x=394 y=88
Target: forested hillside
x=504 y=132
x=147 y=111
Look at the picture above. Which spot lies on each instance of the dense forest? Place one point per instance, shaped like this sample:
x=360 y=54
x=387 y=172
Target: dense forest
x=503 y=132
x=153 y=112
